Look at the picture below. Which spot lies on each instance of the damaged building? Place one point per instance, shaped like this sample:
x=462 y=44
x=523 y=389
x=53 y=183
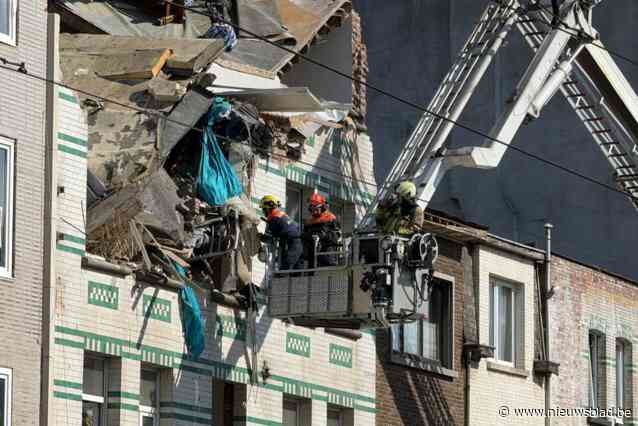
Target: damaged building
x=169 y=131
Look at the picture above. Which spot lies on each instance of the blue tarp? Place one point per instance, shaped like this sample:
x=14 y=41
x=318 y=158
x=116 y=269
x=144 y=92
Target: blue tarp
x=217 y=181
x=192 y=322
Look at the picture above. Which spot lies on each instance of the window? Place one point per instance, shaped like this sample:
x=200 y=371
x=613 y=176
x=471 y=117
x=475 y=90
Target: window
x=6 y=205
x=8 y=19
x=596 y=369
x=294 y=202
x=503 y=320
x=93 y=390
x=339 y=416
x=296 y=412
x=624 y=377
x=5 y=396
x=429 y=338
x=149 y=401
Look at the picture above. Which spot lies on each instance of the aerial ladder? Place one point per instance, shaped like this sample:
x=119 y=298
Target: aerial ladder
x=385 y=279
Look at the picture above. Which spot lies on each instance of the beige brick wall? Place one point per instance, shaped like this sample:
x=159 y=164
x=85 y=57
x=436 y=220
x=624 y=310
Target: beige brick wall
x=491 y=389
x=22 y=119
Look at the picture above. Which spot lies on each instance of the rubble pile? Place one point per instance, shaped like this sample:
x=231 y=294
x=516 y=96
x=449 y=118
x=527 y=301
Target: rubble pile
x=170 y=162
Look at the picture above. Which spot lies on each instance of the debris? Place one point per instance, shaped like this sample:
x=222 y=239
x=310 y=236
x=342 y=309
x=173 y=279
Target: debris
x=192 y=55
x=166 y=90
x=287 y=99
x=224 y=32
x=188 y=112
x=216 y=180
x=121 y=65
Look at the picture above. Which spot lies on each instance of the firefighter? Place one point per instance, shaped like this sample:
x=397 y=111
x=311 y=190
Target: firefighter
x=285 y=230
x=323 y=224
x=400 y=213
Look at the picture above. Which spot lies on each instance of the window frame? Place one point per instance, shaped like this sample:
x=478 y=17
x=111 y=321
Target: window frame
x=11 y=39
x=147 y=410
x=7 y=375
x=96 y=398
x=496 y=282
x=440 y=365
x=595 y=379
x=299 y=189
x=6 y=217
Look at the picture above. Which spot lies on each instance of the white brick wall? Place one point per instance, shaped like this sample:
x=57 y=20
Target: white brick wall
x=88 y=318
x=491 y=389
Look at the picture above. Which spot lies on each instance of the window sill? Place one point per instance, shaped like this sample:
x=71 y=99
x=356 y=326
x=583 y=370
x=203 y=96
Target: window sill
x=7 y=278
x=422 y=364
x=502 y=368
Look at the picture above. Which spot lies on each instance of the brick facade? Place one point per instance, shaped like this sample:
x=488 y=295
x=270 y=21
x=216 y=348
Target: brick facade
x=587 y=300
x=22 y=122
x=411 y=396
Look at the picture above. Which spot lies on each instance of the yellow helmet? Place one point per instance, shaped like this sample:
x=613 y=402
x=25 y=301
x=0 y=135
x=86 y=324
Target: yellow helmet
x=406 y=189
x=269 y=202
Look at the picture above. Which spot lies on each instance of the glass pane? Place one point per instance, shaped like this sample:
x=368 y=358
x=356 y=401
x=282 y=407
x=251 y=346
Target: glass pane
x=396 y=337
x=505 y=323
x=620 y=375
x=93 y=376
x=5 y=16
x=293 y=204
x=493 y=297
x=3 y=199
x=334 y=418
x=411 y=338
x=148 y=388
x=430 y=340
x=290 y=414
x=3 y=385
x=90 y=413
x=148 y=421
x=593 y=370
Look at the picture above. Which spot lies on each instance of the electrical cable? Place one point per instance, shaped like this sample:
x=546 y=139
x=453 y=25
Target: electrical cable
x=411 y=104
x=565 y=169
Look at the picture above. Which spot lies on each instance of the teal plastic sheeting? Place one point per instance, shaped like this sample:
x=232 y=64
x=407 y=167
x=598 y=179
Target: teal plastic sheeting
x=217 y=181
x=192 y=322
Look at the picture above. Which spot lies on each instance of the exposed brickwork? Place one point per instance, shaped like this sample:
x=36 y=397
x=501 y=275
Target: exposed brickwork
x=587 y=299
x=409 y=396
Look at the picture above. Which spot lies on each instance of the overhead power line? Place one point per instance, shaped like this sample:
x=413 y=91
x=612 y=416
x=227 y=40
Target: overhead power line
x=408 y=103
x=22 y=70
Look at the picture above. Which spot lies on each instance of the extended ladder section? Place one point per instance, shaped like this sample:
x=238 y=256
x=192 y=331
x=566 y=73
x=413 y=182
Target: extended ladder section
x=601 y=97
x=450 y=99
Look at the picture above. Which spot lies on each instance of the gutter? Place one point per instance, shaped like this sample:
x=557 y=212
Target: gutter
x=50 y=218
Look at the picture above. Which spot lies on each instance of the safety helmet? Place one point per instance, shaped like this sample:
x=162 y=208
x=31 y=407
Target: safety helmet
x=269 y=202
x=406 y=190
x=317 y=203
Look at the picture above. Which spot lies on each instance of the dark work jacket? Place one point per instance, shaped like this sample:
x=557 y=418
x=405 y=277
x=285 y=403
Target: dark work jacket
x=286 y=230
x=327 y=228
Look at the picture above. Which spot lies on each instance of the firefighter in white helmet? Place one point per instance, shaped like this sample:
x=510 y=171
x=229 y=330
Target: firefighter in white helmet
x=399 y=213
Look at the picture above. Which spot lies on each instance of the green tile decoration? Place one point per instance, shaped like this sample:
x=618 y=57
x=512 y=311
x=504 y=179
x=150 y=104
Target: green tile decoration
x=298 y=344
x=156 y=308
x=104 y=295
x=340 y=355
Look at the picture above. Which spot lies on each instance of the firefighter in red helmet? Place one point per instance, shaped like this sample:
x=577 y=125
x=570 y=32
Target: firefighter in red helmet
x=322 y=225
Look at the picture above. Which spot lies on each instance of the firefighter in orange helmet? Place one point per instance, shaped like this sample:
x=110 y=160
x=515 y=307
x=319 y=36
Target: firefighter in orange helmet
x=323 y=224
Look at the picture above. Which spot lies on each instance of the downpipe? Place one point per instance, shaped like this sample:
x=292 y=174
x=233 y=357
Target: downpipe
x=547 y=293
